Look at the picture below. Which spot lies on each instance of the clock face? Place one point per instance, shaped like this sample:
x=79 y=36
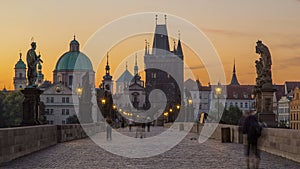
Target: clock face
x=58 y=89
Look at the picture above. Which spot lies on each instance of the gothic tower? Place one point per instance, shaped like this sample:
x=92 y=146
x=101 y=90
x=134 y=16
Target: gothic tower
x=164 y=68
x=20 y=74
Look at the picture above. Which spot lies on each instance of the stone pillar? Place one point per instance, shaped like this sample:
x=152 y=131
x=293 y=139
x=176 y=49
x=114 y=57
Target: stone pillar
x=266 y=114
x=31 y=106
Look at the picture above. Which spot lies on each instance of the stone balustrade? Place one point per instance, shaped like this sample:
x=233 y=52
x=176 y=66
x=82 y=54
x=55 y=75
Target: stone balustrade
x=20 y=141
x=281 y=142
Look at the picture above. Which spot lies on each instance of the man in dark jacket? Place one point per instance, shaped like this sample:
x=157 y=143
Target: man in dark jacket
x=252 y=128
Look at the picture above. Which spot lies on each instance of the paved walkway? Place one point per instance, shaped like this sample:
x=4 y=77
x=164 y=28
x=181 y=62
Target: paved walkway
x=188 y=154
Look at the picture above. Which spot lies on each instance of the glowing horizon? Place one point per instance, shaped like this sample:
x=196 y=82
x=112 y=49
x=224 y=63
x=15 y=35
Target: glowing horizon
x=232 y=27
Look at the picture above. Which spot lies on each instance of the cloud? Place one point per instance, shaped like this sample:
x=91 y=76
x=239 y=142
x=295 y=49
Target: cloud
x=286 y=63
x=226 y=32
x=290 y=45
x=195 y=67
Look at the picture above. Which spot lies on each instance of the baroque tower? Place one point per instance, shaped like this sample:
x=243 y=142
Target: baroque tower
x=20 y=74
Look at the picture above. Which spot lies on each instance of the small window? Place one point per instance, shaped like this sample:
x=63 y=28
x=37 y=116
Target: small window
x=63 y=111
x=67 y=100
x=63 y=122
x=52 y=99
x=70 y=80
x=48 y=99
x=67 y=112
x=241 y=104
x=63 y=99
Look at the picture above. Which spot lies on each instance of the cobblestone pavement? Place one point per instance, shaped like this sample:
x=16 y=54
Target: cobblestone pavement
x=188 y=154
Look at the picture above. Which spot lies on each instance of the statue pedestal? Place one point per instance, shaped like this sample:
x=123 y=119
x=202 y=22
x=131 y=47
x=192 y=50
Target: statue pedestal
x=85 y=112
x=268 y=118
x=267 y=115
x=31 y=104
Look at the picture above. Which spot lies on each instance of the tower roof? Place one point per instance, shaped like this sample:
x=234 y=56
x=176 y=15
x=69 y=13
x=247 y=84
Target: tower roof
x=161 y=39
x=20 y=64
x=125 y=77
x=234 y=80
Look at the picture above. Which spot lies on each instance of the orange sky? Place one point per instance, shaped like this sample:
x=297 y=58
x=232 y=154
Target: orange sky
x=232 y=26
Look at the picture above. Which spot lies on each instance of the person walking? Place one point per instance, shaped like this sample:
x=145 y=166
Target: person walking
x=108 y=129
x=130 y=123
x=253 y=129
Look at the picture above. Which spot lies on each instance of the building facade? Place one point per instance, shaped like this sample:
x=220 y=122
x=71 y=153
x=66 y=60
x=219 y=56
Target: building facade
x=61 y=98
x=283 y=117
x=295 y=110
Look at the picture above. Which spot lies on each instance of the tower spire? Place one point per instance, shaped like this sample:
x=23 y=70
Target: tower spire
x=146 y=46
x=155 y=19
x=234 y=65
x=165 y=19
x=234 y=80
x=136 y=68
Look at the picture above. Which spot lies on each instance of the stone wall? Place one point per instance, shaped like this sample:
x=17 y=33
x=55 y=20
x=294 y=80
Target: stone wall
x=17 y=142
x=70 y=132
x=281 y=142
x=20 y=141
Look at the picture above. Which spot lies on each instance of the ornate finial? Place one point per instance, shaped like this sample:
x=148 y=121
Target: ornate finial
x=178 y=34
x=148 y=47
x=126 y=65
x=20 y=54
x=32 y=39
x=74 y=36
x=135 y=59
x=234 y=65
x=165 y=19
x=107 y=58
x=156 y=19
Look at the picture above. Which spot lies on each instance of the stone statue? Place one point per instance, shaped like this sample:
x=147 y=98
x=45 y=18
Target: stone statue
x=263 y=66
x=264 y=52
x=32 y=60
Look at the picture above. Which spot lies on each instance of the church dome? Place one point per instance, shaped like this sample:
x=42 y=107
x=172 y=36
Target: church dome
x=74 y=59
x=20 y=64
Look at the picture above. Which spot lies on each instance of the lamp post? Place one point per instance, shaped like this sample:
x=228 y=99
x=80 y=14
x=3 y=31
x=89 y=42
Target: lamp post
x=190 y=113
x=218 y=91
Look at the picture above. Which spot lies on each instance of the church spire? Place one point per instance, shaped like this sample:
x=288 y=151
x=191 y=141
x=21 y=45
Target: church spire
x=107 y=70
x=234 y=80
x=179 y=52
x=146 y=50
x=136 y=68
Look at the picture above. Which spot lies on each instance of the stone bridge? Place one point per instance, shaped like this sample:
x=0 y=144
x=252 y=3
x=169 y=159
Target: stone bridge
x=68 y=147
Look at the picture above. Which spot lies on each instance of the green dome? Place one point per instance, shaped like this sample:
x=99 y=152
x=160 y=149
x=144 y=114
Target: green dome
x=74 y=60
x=20 y=65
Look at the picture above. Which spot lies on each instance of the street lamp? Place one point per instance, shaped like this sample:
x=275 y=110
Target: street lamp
x=79 y=91
x=190 y=112
x=218 y=91
x=177 y=106
x=103 y=101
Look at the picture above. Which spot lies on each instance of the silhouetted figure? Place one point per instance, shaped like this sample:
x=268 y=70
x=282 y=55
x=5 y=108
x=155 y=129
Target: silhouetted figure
x=108 y=129
x=253 y=129
x=148 y=126
x=130 y=123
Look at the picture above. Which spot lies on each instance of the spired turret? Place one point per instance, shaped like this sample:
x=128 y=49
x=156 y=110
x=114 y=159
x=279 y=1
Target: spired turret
x=20 y=79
